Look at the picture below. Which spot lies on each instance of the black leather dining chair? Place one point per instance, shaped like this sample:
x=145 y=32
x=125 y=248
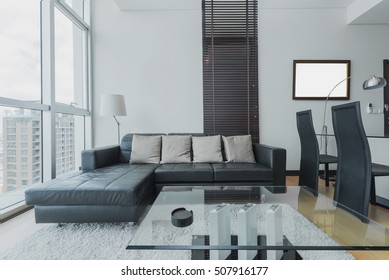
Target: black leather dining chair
x=355 y=176
x=310 y=154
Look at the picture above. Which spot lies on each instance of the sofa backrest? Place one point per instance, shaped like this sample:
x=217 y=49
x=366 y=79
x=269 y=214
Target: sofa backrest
x=126 y=143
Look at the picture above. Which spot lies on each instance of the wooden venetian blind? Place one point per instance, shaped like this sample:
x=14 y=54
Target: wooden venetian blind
x=230 y=67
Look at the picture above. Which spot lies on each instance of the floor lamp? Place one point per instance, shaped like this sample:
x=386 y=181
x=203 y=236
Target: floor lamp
x=113 y=105
x=372 y=83
x=324 y=128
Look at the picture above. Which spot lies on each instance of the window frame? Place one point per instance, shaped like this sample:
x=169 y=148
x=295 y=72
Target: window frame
x=47 y=106
x=48 y=77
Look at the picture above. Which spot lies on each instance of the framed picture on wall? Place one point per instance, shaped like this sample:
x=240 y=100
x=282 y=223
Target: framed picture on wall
x=315 y=79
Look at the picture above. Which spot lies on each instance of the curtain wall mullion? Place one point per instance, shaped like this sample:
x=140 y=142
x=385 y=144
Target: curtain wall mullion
x=68 y=109
x=48 y=89
x=74 y=17
x=4 y=101
x=88 y=74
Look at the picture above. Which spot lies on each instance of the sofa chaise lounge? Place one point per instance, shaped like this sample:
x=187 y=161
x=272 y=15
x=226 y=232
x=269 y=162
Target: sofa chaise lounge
x=109 y=189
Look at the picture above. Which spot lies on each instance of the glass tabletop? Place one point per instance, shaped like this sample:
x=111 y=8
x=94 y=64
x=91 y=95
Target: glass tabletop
x=310 y=221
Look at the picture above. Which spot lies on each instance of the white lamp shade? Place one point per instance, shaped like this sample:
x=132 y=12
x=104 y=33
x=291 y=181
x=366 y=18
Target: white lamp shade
x=374 y=82
x=112 y=105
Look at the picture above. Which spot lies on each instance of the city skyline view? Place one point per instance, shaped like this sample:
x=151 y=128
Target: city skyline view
x=20 y=147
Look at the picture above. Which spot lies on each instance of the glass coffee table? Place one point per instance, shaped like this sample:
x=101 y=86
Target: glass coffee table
x=313 y=225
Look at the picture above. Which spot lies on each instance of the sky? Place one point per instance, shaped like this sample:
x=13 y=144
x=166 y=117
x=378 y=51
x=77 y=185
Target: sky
x=20 y=49
x=20 y=72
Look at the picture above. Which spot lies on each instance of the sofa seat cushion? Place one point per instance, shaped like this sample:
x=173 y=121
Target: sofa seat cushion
x=241 y=172
x=121 y=184
x=184 y=172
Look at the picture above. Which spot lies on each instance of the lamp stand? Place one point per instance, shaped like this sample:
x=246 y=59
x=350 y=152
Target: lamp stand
x=324 y=129
x=118 y=129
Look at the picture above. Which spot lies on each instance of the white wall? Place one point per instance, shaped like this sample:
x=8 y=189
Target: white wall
x=154 y=58
x=288 y=34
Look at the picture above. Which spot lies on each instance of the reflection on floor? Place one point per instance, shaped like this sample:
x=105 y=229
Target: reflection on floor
x=376 y=213
x=21 y=226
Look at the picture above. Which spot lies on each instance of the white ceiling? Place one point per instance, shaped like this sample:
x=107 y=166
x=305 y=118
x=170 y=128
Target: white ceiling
x=304 y=4
x=379 y=14
x=357 y=11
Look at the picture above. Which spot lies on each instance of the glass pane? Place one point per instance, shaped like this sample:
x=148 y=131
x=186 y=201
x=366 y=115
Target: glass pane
x=70 y=142
x=20 y=50
x=68 y=61
x=20 y=153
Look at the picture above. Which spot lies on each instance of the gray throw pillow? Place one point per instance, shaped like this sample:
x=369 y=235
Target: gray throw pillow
x=146 y=149
x=239 y=149
x=176 y=149
x=207 y=149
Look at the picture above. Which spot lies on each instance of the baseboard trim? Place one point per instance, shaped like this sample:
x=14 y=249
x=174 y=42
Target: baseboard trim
x=297 y=172
x=292 y=172
x=14 y=212
x=383 y=202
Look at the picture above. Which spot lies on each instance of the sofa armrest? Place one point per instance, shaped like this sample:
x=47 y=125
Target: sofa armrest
x=274 y=158
x=99 y=157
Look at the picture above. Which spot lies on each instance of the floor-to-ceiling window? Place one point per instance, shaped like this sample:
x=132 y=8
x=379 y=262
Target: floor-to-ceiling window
x=44 y=94
x=70 y=77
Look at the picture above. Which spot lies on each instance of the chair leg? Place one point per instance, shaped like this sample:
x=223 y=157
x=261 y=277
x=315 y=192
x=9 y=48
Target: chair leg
x=326 y=174
x=372 y=191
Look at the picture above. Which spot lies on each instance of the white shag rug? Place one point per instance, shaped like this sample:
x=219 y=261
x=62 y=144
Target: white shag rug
x=74 y=242
x=108 y=241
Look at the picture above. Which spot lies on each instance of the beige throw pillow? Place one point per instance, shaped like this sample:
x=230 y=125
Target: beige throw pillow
x=146 y=149
x=207 y=149
x=239 y=149
x=176 y=149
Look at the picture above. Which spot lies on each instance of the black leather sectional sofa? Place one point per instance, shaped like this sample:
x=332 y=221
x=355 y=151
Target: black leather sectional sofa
x=109 y=189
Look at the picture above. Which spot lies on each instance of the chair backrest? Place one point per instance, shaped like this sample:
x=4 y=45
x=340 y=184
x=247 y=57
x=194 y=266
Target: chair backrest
x=309 y=161
x=353 y=176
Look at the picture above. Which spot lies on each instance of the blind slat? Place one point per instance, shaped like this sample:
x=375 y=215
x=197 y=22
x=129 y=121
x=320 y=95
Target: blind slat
x=230 y=67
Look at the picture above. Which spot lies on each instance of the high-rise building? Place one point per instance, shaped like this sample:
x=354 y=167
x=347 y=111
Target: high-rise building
x=21 y=149
x=65 y=148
